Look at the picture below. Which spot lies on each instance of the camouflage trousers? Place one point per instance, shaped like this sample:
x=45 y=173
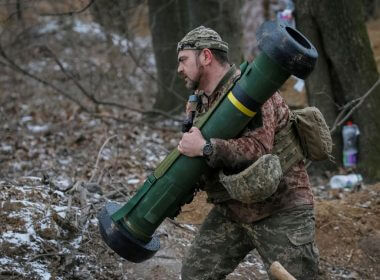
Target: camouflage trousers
x=221 y=244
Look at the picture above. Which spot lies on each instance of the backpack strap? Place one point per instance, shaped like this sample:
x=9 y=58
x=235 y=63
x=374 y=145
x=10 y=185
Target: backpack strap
x=287 y=145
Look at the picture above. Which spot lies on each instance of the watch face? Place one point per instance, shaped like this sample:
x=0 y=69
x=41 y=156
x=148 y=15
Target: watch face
x=207 y=149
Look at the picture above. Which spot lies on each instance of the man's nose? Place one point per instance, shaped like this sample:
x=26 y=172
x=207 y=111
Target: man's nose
x=179 y=69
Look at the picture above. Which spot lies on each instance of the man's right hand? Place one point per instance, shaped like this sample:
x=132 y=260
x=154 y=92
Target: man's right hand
x=192 y=143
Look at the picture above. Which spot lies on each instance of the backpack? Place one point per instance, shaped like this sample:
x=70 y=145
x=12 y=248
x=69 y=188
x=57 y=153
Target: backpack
x=305 y=136
x=313 y=133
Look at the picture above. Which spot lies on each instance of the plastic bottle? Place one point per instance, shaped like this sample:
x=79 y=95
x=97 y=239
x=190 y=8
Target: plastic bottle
x=345 y=181
x=286 y=16
x=350 y=133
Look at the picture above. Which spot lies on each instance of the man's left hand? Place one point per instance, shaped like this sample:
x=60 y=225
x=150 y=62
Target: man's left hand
x=192 y=143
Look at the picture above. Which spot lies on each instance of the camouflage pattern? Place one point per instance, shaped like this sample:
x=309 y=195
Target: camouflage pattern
x=221 y=244
x=280 y=227
x=288 y=147
x=201 y=38
x=255 y=183
x=234 y=155
x=314 y=133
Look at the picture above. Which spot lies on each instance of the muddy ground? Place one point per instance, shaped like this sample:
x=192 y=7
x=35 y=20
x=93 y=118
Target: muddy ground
x=49 y=204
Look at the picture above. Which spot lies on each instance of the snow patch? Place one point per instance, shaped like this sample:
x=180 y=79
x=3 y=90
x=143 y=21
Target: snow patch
x=133 y=181
x=89 y=29
x=38 y=128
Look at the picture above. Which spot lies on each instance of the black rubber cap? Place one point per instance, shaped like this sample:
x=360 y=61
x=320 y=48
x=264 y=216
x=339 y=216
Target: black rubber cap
x=121 y=241
x=288 y=47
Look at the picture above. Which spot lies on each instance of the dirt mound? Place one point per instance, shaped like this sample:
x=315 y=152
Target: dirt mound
x=348 y=234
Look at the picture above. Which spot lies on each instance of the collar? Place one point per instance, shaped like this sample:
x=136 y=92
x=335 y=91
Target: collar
x=208 y=100
x=229 y=75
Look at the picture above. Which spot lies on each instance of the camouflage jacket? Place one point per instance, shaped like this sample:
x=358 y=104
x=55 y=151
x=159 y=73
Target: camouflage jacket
x=234 y=155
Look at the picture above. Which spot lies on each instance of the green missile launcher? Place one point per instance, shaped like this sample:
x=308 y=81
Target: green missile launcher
x=129 y=229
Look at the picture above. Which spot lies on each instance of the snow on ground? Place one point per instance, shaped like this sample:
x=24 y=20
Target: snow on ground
x=27 y=212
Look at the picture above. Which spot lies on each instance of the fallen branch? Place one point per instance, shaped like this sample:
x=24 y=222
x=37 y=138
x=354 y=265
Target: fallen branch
x=98 y=158
x=64 y=224
x=350 y=256
x=45 y=255
x=165 y=257
x=114 y=194
x=181 y=226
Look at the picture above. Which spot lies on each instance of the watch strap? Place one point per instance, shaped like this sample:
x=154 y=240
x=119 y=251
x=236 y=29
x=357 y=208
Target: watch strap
x=207 y=149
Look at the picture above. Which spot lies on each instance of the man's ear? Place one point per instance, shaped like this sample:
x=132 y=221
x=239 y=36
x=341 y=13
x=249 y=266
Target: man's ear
x=206 y=57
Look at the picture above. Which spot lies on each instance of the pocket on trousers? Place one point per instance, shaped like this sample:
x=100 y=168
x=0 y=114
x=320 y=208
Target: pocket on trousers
x=301 y=236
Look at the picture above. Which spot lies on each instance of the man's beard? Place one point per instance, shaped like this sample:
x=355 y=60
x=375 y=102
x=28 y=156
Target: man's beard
x=192 y=84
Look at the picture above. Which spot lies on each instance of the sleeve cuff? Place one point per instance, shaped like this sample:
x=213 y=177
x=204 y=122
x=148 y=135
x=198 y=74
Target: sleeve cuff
x=213 y=158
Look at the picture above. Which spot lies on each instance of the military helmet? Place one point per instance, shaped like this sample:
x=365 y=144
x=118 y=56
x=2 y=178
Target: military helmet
x=201 y=38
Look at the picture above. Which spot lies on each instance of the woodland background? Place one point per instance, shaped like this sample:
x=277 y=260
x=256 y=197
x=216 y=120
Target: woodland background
x=90 y=103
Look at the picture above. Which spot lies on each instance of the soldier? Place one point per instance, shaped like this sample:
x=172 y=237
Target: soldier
x=262 y=201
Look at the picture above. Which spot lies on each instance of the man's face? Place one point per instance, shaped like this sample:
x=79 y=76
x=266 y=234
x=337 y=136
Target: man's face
x=189 y=68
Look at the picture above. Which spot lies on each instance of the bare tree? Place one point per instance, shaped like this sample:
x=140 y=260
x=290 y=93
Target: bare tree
x=168 y=22
x=223 y=16
x=345 y=71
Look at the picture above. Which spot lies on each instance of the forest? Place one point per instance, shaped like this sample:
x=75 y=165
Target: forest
x=91 y=103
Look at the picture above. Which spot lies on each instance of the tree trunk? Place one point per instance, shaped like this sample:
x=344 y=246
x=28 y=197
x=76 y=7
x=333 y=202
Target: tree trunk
x=371 y=9
x=113 y=15
x=320 y=95
x=224 y=17
x=346 y=69
x=168 y=24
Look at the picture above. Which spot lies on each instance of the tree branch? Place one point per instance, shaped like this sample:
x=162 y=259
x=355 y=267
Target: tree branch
x=11 y=64
x=359 y=101
x=69 y=75
x=340 y=120
x=135 y=60
x=92 y=98
x=70 y=13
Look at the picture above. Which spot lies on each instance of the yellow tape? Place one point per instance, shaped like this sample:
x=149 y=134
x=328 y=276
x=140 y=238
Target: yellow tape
x=240 y=106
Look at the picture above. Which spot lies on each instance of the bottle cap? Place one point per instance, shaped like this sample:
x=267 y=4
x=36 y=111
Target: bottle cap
x=349 y=123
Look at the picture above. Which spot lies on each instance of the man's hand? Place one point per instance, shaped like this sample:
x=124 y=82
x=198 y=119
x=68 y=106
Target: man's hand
x=192 y=143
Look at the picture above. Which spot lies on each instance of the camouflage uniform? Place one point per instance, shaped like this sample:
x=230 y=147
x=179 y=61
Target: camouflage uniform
x=281 y=227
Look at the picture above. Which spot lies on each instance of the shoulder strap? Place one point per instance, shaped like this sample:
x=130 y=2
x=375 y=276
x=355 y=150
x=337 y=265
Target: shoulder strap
x=287 y=145
x=229 y=81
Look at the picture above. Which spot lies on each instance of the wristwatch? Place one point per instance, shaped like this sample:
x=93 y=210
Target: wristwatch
x=207 y=149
